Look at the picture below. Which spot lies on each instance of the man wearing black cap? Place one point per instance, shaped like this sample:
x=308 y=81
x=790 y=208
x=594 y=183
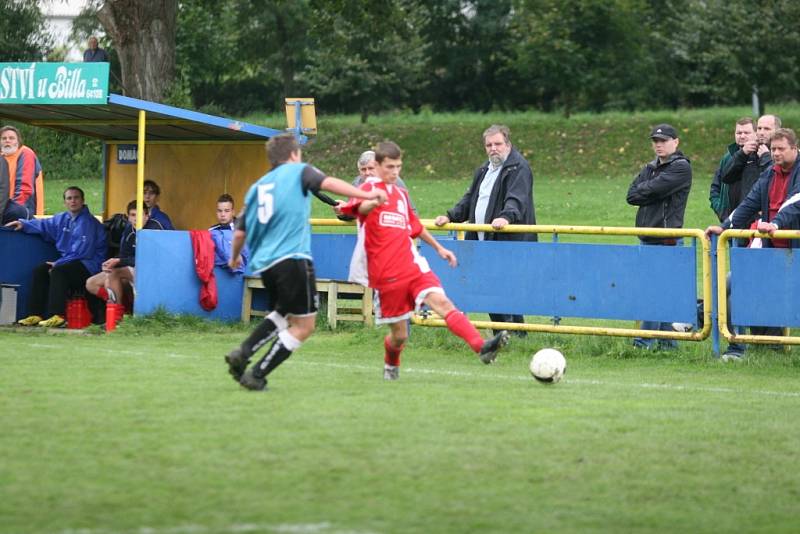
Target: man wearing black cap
x=661 y=190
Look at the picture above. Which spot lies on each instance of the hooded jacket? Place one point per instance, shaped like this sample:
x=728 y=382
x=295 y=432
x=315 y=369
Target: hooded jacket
x=511 y=199
x=661 y=191
x=81 y=237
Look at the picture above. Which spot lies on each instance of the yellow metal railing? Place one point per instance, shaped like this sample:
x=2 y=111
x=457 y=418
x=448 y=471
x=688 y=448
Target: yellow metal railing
x=723 y=248
x=582 y=230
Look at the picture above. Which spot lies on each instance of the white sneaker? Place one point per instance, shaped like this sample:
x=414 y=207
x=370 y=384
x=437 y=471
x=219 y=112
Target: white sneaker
x=732 y=357
x=391 y=372
x=682 y=327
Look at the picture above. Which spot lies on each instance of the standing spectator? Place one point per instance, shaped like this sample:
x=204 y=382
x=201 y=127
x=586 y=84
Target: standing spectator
x=222 y=235
x=724 y=197
x=746 y=164
x=81 y=243
x=275 y=224
x=772 y=196
x=661 y=190
x=4 y=189
x=25 y=179
x=501 y=193
x=117 y=274
x=401 y=277
x=94 y=54
x=152 y=192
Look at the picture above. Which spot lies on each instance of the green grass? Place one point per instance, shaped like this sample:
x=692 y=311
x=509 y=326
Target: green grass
x=144 y=428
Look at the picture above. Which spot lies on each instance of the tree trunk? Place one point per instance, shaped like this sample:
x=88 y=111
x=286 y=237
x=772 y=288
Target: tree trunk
x=143 y=32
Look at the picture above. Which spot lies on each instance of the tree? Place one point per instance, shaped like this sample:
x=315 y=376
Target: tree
x=22 y=31
x=143 y=32
x=470 y=53
x=366 y=56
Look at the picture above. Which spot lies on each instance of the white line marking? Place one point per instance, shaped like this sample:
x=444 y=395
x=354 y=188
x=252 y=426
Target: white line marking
x=588 y=382
x=237 y=528
x=469 y=374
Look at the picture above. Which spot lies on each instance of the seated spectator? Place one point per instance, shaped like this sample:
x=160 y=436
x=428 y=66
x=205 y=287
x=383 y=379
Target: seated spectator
x=117 y=274
x=222 y=235
x=152 y=192
x=25 y=179
x=81 y=243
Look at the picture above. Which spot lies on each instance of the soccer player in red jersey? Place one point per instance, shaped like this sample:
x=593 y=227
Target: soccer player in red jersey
x=400 y=275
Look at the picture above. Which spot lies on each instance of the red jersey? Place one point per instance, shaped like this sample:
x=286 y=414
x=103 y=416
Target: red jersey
x=777 y=196
x=389 y=232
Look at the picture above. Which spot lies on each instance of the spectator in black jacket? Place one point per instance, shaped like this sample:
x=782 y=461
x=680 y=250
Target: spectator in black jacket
x=501 y=193
x=747 y=163
x=724 y=197
x=94 y=54
x=661 y=190
x=775 y=197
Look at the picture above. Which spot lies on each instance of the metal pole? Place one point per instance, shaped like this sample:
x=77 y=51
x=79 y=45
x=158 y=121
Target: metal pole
x=140 y=171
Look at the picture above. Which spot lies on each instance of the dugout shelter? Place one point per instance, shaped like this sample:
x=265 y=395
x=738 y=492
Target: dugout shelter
x=194 y=157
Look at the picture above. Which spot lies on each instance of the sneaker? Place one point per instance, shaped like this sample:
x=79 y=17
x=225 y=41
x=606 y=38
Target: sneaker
x=55 y=321
x=112 y=297
x=732 y=357
x=252 y=382
x=682 y=327
x=492 y=346
x=31 y=320
x=391 y=372
x=237 y=363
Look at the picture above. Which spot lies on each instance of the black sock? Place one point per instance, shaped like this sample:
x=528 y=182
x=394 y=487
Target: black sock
x=265 y=331
x=276 y=355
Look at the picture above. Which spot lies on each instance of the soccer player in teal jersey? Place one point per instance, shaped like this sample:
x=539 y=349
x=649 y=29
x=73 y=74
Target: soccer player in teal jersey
x=276 y=228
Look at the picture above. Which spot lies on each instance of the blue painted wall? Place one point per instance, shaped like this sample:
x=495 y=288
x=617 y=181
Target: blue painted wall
x=764 y=287
x=19 y=254
x=165 y=277
x=571 y=280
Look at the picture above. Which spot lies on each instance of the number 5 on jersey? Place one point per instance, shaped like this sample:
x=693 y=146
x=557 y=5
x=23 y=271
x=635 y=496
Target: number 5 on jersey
x=266 y=203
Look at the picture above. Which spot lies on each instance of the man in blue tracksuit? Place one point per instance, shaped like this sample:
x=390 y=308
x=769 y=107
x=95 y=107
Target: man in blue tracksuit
x=81 y=243
x=222 y=235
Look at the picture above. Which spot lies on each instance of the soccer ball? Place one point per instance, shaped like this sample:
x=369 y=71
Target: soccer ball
x=548 y=366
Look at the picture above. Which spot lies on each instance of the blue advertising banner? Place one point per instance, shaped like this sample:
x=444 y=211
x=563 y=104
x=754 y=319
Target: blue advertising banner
x=53 y=83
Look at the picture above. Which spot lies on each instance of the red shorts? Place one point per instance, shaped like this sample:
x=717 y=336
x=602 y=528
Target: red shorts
x=396 y=302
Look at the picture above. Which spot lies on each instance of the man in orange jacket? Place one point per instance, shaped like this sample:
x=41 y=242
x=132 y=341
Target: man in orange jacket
x=25 y=179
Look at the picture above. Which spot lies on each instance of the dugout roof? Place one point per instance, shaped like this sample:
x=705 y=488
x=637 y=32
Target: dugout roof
x=118 y=121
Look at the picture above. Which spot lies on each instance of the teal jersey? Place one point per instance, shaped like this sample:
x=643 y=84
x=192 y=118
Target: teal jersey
x=276 y=213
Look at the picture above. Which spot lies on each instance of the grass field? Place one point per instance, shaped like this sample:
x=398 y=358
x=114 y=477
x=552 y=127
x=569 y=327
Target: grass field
x=142 y=431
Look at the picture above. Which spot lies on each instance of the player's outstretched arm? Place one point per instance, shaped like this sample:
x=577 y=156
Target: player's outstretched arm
x=340 y=187
x=443 y=253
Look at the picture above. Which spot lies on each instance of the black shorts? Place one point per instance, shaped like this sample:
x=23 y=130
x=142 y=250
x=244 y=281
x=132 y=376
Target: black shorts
x=292 y=287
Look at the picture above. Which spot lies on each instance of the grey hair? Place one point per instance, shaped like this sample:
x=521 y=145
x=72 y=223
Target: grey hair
x=365 y=158
x=498 y=129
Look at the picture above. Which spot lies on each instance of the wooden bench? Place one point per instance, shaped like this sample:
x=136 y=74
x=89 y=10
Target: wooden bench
x=346 y=301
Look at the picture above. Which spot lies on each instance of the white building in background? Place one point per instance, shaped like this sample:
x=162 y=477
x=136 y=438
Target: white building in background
x=58 y=15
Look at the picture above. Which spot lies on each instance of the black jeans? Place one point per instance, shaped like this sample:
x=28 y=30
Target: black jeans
x=506 y=318
x=52 y=287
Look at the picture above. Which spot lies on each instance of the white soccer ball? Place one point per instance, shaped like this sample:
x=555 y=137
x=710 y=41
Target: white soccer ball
x=548 y=366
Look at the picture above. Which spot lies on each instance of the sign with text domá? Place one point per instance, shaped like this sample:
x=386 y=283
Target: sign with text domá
x=53 y=83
